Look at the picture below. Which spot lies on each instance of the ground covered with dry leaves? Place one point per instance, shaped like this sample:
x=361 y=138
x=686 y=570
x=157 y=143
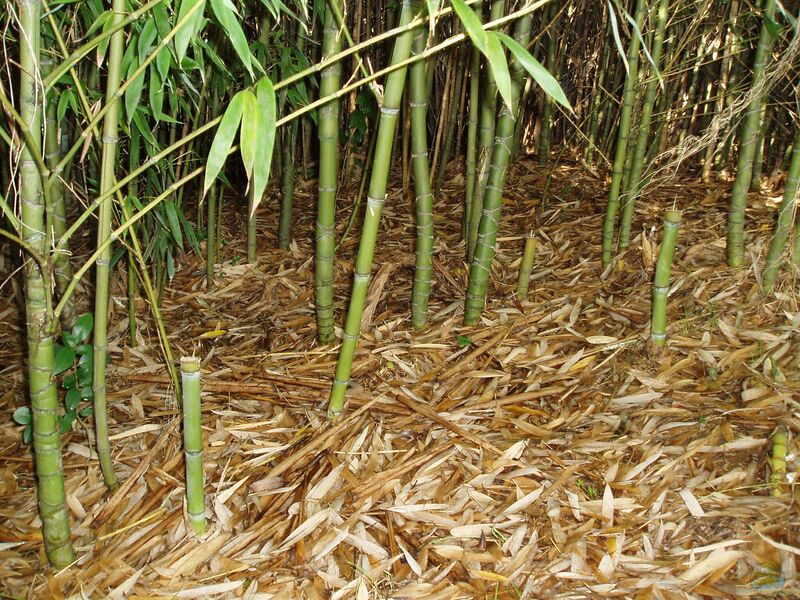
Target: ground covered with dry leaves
x=541 y=454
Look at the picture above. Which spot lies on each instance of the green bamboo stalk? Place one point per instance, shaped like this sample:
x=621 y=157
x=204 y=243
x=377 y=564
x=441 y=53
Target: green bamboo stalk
x=623 y=135
x=193 y=444
x=493 y=200
x=643 y=136
x=658 y=324
x=287 y=185
x=758 y=157
x=251 y=227
x=387 y=124
x=722 y=87
x=455 y=108
x=38 y=302
x=472 y=138
x=548 y=103
x=211 y=218
x=783 y=227
x=486 y=139
x=748 y=137
x=54 y=196
x=526 y=266
x=328 y=177
x=421 y=290
x=597 y=103
x=107 y=180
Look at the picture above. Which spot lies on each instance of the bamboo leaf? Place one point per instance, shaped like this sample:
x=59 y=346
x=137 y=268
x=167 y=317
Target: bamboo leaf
x=174 y=222
x=223 y=140
x=248 y=137
x=146 y=39
x=226 y=14
x=265 y=96
x=161 y=18
x=541 y=75
x=433 y=8
x=186 y=32
x=156 y=93
x=134 y=92
x=163 y=62
x=472 y=24
x=499 y=65
x=643 y=45
x=66 y=100
x=615 y=30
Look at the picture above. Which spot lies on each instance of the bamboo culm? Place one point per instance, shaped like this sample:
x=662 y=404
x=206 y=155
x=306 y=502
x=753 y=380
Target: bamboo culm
x=783 y=227
x=424 y=199
x=51 y=496
x=658 y=323
x=525 y=267
x=387 y=124
x=328 y=179
x=748 y=138
x=623 y=135
x=193 y=444
x=481 y=266
x=472 y=138
x=486 y=138
x=56 y=213
x=643 y=135
x=102 y=274
x=548 y=104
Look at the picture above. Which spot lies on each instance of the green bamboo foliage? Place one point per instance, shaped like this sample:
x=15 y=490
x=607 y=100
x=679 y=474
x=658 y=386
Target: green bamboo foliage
x=107 y=181
x=658 y=323
x=748 y=138
x=193 y=444
x=390 y=108
x=525 y=267
x=328 y=177
x=623 y=137
x=783 y=227
x=424 y=199
x=643 y=135
x=480 y=269
x=38 y=308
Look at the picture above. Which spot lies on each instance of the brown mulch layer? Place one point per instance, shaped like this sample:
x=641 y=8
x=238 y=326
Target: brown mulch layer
x=542 y=453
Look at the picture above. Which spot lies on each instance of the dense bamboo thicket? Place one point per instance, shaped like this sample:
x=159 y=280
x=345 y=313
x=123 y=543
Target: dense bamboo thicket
x=133 y=131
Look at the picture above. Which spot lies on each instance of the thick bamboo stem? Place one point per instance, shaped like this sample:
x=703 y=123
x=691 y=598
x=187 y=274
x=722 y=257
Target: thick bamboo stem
x=658 y=323
x=390 y=109
x=786 y=215
x=424 y=199
x=193 y=444
x=38 y=303
x=328 y=179
x=623 y=135
x=748 y=137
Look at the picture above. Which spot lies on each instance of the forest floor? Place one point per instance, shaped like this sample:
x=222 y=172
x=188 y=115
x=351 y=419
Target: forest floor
x=541 y=454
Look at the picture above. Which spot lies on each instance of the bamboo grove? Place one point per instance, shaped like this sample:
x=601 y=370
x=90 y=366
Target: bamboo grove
x=140 y=123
